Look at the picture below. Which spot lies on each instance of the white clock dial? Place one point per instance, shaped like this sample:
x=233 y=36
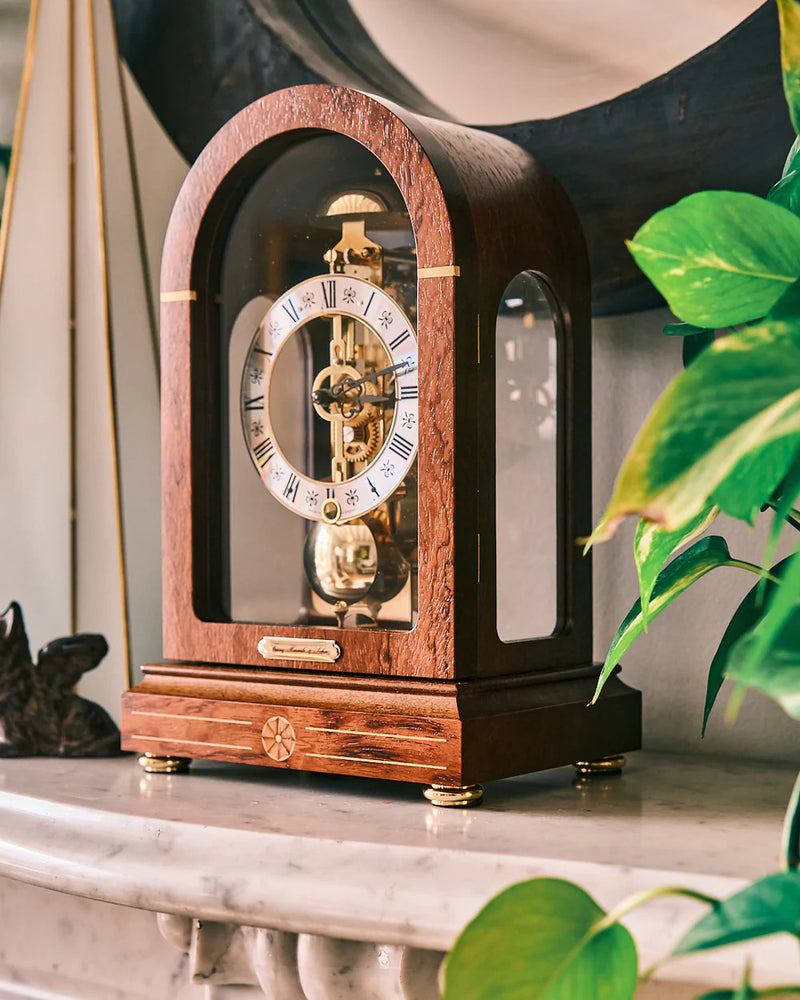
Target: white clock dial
x=356 y=391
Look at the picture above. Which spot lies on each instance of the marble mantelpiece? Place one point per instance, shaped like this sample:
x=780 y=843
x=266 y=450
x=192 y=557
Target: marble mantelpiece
x=280 y=881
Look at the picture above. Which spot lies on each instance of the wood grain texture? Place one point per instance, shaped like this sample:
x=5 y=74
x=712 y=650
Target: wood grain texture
x=450 y=737
x=189 y=412
x=478 y=203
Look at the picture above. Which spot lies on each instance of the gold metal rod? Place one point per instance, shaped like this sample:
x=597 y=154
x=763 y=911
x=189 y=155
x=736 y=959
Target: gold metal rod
x=112 y=400
x=388 y=736
x=194 y=743
x=192 y=718
x=72 y=333
x=378 y=760
x=19 y=129
x=183 y=295
x=138 y=211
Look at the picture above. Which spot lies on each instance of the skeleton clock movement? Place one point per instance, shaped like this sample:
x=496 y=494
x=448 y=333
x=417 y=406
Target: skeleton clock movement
x=376 y=457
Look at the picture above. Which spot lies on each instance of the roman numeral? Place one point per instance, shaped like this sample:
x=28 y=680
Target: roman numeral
x=369 y=303
x=330 y=493
x=329 y=294
x=254 y=403
x=401 y=447
x=260 y=350
x=291 y=310
x=398 y=340
x=291 y=487
x=263 y=452
x=409 y=392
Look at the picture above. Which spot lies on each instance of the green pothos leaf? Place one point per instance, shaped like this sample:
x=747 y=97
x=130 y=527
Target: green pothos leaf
x=770 y=905
x=739 y=395
x=788 y=305
x=744 y=618
x=765 y=657
x=694 y=344
x=754 y=478
x=542 y=940
x=706 y=554
x=786 y=494
x=743 y=992
x=789 y=15
x=684 y=330
x=786 y=192
x=720 y=258
x=653 y=546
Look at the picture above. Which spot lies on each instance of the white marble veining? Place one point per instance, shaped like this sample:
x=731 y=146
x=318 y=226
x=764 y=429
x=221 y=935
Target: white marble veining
x=278 y=854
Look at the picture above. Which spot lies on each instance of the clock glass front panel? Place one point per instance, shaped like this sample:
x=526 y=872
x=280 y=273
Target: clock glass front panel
x=527 y=460
x=318 y=394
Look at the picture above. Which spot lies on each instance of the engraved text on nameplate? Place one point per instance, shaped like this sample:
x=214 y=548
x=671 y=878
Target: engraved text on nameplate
x=282 y=648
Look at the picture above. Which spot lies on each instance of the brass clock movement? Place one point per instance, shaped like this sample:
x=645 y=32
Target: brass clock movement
x=376 y=457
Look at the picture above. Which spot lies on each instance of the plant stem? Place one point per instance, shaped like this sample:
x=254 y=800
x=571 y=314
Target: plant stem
x=790 y=843
x=645 y=896
x=777 y=991
x=753 y=568
x=792 y=515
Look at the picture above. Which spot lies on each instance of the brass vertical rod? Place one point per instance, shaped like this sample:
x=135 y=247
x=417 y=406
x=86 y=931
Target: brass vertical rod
x=139 y=213
x=107 y=322
x=72 y=348
x=19 y=129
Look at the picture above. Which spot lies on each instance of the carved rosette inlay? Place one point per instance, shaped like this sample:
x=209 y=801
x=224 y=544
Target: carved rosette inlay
x=278 y=738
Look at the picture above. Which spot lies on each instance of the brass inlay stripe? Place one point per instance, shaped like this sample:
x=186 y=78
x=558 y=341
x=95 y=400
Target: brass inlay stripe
x=191 y=718
x=388 y=736
x=377 y=760
x=196 y=743
x=445 y=271
x=185 y=295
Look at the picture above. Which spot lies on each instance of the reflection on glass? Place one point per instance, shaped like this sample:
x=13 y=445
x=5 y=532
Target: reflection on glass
x=526 y=382
x=318 y=356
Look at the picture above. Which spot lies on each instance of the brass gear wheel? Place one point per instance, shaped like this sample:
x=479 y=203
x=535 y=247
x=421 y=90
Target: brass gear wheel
x=366 y=442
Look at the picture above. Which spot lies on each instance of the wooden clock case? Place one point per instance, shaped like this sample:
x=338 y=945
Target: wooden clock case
x=447 y=703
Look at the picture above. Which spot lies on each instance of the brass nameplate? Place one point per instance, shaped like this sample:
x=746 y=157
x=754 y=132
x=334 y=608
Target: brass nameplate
x=274 y=647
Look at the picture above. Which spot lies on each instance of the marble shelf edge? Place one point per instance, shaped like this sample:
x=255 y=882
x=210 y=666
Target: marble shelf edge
x=333 y=860
x=111 y=857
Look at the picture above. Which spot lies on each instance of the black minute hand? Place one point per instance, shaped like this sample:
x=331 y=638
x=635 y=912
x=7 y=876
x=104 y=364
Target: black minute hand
x=350 y=383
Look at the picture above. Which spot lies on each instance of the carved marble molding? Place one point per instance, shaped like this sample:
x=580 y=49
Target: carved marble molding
x=287 y=966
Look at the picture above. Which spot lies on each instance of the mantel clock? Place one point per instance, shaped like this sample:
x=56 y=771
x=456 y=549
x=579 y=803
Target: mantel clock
x=376 y=457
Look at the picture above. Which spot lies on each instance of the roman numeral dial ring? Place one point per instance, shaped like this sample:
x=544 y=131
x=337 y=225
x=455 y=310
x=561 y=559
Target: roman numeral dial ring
x=360 y=407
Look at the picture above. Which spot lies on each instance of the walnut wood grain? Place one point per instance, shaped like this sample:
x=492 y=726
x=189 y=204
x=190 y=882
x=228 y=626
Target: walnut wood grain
x=483 y=205
x=451 y=737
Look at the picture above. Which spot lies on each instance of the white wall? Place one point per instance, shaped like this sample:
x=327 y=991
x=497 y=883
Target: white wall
x=632 y=363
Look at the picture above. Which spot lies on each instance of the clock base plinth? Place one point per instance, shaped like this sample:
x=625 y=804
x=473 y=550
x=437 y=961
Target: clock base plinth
x=450 y=734
x=156 y=764
x=454 y=796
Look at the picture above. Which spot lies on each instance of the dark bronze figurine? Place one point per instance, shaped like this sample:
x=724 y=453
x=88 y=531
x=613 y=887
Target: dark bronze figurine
x=40 y=714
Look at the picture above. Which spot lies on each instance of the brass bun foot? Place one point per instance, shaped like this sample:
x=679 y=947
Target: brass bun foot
x=603 y=765
x=153 y=763
x=453 y=796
